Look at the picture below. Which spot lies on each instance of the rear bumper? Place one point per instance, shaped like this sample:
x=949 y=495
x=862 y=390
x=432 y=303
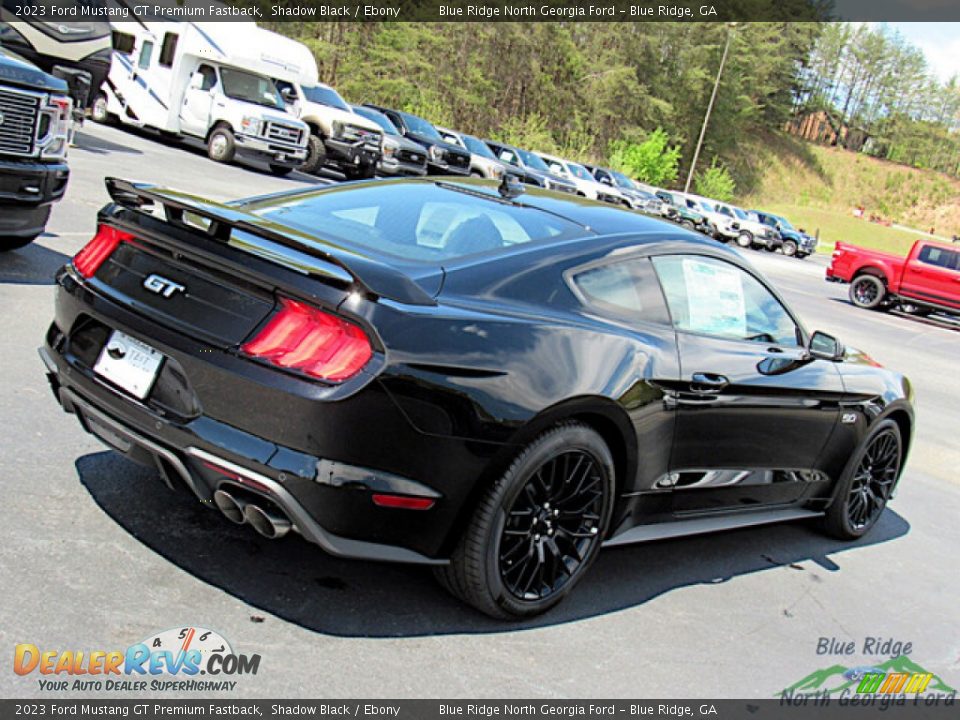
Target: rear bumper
x=311 y=456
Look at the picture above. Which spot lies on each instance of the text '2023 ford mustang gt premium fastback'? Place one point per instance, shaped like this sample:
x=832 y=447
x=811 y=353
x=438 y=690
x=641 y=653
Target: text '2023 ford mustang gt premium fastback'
x=465 y=375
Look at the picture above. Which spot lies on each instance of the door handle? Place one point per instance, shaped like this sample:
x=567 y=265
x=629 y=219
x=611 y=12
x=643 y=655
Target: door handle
x=708 y=383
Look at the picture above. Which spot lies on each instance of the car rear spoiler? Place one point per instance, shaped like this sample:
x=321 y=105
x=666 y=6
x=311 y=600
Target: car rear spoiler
x=374 y=277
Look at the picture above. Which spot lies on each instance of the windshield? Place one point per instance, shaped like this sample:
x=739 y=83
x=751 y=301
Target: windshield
x=477 y=147
x=415 y=221
x=325 y=96
x=784 y=223
x=622 y=180
x=531 y=160
x=378 y=117
x=741 y=214
x=420 y=126
x=580 y=172
x=242 y=85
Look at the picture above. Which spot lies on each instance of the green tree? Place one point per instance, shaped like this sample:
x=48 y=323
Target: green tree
x=715 y=182
x=652 y=161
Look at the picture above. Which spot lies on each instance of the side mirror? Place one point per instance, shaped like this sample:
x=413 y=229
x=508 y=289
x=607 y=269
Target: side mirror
x=825 y=347
x=289 y=95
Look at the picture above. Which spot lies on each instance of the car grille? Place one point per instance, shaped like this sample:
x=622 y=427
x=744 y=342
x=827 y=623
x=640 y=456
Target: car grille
x=19 y=125
x=458 y=160
x=410 y=156
x=276 y=132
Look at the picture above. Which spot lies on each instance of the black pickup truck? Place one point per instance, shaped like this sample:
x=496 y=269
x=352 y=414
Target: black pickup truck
x=35 y=115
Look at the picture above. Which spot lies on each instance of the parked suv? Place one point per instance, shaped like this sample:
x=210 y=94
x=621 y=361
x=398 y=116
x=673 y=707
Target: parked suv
x=399 y=156
x=587 y=185
x=754 y=233
x=443 y=158
x=35 y=115
x=339 y=138
x=530 y=168
x=483 y=163
x=796 y=243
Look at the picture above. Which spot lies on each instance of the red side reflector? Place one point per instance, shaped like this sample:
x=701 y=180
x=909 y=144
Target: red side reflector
x=95 y=252
x=304 y=338
x=403 y=502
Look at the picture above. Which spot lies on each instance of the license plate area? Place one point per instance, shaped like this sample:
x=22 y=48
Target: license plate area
x=129 y=364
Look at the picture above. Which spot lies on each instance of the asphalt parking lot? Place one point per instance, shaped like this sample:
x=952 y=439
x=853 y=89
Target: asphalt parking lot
x=98 y=554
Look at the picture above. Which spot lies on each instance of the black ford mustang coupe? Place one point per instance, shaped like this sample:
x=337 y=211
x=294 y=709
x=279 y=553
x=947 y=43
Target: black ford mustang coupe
x=454 y=373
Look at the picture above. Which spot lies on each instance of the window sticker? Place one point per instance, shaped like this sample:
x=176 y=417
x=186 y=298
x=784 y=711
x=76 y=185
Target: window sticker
x=715 y=298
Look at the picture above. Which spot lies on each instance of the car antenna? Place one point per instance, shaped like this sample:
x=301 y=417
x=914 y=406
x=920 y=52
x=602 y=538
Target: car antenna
x=510 y=187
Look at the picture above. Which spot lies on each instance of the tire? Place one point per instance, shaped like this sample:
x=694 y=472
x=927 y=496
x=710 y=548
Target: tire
x=790 y=248
x=363 y=172
x=15 y=243
x=745 y=239
x=801 y=255
x=867 y=291
x=221 y=145
x=865 y=487
x=98 y=111
x=688 y=224
x=515 y=513
x=316 y=155
x=281 y=170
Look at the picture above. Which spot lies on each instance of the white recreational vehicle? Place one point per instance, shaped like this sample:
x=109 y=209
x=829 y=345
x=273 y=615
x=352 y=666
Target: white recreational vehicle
x=213 y=81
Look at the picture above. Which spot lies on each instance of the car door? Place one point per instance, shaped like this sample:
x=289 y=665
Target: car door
x=754 y=411
x=197 y=101
x=933 y=276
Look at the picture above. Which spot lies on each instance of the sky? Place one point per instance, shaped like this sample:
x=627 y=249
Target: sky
x=940 y=42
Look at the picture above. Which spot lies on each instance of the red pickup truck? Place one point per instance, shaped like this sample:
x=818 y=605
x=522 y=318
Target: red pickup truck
x=927 y=280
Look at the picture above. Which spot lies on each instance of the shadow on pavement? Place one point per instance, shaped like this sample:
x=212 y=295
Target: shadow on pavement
x=299 y=583
x=100 y=146
x=31 y=265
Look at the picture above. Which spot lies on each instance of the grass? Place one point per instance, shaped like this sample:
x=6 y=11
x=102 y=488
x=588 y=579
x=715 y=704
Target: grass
x=837 y=226
x=817 y=187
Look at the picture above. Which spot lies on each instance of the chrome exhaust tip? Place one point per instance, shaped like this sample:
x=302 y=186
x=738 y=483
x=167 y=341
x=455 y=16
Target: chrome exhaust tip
x=230 y=506
x=266 y=523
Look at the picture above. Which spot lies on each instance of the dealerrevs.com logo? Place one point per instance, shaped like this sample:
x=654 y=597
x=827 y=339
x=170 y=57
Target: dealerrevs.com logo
x=172 y=660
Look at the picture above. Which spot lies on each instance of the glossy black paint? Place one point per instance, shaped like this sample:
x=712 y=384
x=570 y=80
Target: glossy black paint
x=458 y=386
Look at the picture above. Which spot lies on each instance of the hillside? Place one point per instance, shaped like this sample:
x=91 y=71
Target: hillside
x=818 y=187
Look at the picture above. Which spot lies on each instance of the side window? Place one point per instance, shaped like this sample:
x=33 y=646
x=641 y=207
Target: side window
x=145 y=52
x=714 y=297
x=209 y=76
x=557 y=169
x=168 y=50
x=932 y=255
x=123 y=42
x=626 y=289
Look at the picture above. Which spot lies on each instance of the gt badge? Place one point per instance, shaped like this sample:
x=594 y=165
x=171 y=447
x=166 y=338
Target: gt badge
x=162 y=286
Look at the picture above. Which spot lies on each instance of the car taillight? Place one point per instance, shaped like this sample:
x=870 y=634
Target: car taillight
x=314 y=342
x=95 y=252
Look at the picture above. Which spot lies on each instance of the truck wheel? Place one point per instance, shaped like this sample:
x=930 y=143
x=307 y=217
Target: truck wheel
x=744 y=239
x=867 y=291
x=222 y=147
x=15 y=243
x=362 y=172
x=538 y=528
x=801 y=255
x=316 y=155
x=789 y=248
x=99 y=111
x=281 y=170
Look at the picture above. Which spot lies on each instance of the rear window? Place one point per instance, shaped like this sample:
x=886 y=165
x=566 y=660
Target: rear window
x=418 y=221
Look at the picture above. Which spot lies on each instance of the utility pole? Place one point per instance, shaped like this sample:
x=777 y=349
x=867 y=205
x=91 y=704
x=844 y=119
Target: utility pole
x=706 y=118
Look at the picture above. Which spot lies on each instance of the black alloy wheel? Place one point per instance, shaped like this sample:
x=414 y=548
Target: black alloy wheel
x=538 y=528
x=870 y=479
x=552 y=526
x=867 y=291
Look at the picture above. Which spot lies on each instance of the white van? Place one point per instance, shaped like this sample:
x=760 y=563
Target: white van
x=213 y=81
